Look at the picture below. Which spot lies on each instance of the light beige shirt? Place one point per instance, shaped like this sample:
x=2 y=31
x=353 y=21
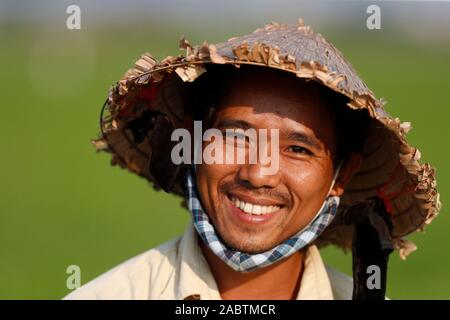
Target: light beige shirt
x=178 y=270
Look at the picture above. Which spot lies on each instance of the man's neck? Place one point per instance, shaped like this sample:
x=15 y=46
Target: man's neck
x=279 y=281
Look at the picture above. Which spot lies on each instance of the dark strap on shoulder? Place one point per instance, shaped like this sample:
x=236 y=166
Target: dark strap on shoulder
x=372 y=245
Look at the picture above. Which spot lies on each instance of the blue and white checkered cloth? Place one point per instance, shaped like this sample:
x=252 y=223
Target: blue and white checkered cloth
x=241 y=261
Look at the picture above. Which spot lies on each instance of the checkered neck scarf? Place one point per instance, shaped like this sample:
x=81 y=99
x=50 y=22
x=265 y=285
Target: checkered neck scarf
x=241 y=261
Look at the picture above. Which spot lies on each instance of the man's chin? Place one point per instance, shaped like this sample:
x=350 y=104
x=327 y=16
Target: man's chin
x=247 y=240
x=248 y=245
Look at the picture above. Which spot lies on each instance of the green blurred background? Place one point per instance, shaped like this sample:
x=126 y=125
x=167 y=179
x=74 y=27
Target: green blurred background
x=62 y=204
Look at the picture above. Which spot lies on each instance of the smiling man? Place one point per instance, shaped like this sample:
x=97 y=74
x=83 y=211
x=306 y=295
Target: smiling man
x=345 y=174
x=254 y=212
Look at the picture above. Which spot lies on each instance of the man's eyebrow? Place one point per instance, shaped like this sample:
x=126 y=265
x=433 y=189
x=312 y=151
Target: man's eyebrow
x=291 y=135
x=304 y=138
x=232 y=123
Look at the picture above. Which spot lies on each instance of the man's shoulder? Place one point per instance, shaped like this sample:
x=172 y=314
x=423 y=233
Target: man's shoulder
x=131 y=279
x=341 y=284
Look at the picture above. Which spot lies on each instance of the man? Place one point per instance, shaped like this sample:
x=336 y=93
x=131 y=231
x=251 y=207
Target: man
x=344 y=173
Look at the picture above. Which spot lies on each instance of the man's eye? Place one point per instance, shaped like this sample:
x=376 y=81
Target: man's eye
x=298 y=149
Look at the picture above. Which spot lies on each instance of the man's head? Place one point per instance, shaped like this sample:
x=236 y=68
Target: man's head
x=309 y=141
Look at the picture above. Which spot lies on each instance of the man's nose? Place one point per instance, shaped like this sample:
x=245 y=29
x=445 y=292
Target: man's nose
x=253 y=175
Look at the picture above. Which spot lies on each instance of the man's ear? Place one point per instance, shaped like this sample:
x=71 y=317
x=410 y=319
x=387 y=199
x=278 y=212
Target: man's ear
x=347 y=171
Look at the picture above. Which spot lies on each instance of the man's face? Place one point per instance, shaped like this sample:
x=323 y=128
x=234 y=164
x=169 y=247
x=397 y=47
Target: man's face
x=289 y=198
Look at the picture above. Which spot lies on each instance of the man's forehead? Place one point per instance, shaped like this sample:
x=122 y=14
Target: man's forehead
x=285 y=116
x=274 y=92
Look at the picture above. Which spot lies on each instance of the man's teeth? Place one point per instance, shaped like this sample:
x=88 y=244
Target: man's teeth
x=253 y=208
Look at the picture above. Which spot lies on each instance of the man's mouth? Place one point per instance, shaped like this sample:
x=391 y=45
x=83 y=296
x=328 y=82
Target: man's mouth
x=253 y=208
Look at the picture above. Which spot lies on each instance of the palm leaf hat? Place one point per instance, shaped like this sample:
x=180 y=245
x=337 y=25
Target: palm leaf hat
x=148 y=103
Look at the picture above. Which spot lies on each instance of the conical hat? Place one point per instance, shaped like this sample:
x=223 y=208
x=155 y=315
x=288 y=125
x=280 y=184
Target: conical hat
x=148 y=101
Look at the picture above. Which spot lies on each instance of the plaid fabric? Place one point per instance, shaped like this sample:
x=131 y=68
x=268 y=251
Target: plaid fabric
x=241 y=261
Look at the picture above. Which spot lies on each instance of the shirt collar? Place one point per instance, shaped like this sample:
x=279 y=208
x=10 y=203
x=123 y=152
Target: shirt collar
x=194 y=279
x=315 y=284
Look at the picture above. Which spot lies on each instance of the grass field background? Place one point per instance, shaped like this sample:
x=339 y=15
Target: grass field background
x=63 y=204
